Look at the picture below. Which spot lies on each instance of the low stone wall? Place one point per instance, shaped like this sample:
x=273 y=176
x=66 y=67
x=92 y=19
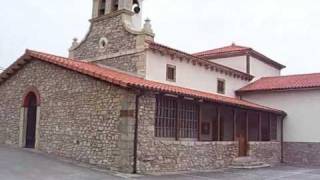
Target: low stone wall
x=302 y=153
x=269 y=152
x=2 y=133
x=171 y=155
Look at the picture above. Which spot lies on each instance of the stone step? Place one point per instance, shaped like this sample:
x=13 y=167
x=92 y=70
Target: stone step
x=247 y=163
x=250 y=167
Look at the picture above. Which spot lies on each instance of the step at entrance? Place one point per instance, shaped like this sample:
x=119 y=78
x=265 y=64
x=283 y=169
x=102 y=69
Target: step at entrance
x=248 y=163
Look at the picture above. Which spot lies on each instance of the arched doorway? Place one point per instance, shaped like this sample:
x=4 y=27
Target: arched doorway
x=31 y=119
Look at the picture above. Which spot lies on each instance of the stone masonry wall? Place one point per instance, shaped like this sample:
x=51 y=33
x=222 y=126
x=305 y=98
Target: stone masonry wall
x=120 y=51
x=3 y=126
x=80 y=118
x=134 y=63
x=269 y=152
x=118 y=39
x=168 y=155
x=302 y=153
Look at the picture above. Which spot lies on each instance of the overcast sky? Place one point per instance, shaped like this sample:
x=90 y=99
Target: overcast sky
x=284 y=30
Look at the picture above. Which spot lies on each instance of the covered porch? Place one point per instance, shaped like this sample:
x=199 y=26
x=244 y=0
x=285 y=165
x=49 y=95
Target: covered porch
x=185 y=119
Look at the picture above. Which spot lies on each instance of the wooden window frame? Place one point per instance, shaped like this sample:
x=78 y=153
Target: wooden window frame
x=166 y=117
x=224 y=86
x=174 y=68
x=183 y=121
x=188 y=119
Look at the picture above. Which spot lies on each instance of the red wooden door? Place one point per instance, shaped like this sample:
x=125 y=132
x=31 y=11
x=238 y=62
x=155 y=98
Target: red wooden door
x=241 y=135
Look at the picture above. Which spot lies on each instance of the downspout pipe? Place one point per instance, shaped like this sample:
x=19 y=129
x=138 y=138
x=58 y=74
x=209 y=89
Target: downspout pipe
x=135 y=143
x=282 y=141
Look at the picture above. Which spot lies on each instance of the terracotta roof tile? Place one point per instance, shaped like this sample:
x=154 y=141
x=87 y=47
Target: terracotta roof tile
x=236 y=50
x=225 y=49
x=292 y=82
x=129 y=81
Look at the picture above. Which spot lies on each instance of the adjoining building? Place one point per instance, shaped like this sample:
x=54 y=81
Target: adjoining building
x=123 y=102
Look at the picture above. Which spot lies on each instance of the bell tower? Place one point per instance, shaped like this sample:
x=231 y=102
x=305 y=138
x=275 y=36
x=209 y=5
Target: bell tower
x=116 y=36
x=107 y=7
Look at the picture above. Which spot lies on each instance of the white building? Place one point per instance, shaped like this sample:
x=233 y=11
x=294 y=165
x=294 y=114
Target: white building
x=297 y=95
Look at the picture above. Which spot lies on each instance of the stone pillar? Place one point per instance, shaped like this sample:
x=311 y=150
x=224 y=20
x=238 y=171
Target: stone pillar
x=146 y=147
x=95 y=8
x=126 y=130
x=125 y=4
x=74 y=45
x=22 y=127
x=37 y=143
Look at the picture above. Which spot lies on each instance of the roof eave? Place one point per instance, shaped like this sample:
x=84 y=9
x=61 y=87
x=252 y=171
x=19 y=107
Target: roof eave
x=266 y=59
x=271 y=110
x=249 y=51
x=243 y=92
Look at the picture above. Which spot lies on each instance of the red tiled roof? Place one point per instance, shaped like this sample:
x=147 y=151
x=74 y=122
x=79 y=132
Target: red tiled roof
x=292 y=82
x=222 y=50
x=197 y=60
x=236 y=50
x=126 y=80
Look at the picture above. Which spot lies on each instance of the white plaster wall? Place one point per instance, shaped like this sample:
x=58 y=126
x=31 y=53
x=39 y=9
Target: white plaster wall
x=260 y=69
x=257 y=68
x=189 y=75
x=239 y=62
x=303 y=121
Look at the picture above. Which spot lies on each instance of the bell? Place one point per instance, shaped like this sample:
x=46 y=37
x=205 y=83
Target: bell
x=136 y=9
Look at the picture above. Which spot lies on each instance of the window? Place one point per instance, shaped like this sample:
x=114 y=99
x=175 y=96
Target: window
x=115 y=5
x=265 y=127
x=166 y=114
x=188 y=116
x=253 y=125
x=176 y=115
x=226 y=124
x=103 y=43
x=273 y=127
x=221 y=86
x=102 y=7
x=171 y=73
x=209 y=123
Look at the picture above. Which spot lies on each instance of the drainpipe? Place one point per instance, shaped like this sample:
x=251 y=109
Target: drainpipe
x=135 y=143
x=282 y=154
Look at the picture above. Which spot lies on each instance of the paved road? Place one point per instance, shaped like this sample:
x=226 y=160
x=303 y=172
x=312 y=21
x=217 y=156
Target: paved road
x=17 y=164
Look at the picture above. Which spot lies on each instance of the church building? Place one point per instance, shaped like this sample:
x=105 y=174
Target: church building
x=123 y=102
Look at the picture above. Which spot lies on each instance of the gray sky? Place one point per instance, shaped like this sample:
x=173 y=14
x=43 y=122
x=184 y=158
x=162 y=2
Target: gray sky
x=284 y=30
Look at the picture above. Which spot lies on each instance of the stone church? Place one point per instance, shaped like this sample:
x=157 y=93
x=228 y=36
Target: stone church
x=123 y=102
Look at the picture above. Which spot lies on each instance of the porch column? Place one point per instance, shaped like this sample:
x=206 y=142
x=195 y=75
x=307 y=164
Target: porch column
x=199 y=121
x=281 y=143
x=178 y=118
x=219 y=123
x=234 y=124
x=247 y=126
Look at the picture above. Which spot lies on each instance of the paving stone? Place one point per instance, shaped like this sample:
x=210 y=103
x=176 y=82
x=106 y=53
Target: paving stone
x=16 y=164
